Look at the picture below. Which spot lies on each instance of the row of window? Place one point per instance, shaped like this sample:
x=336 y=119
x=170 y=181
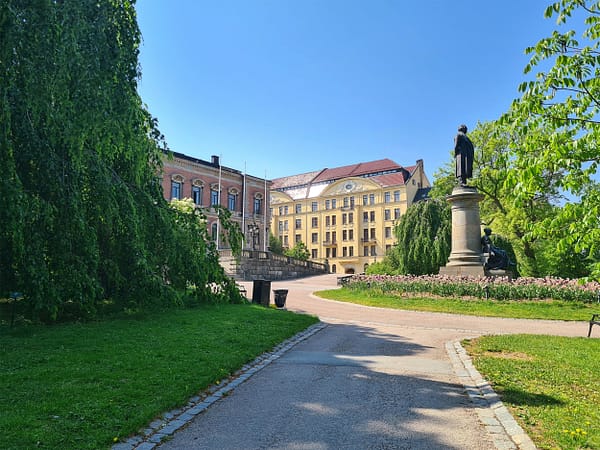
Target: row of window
x=347 y=202
x=347 y=235
x=232 y=198
x=347 y=219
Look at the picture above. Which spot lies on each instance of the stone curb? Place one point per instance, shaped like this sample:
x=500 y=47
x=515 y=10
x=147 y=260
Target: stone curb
x=172 y=421
x=504 y=430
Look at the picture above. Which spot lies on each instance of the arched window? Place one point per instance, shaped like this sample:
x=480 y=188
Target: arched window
x=333 y=269
x=176 y=186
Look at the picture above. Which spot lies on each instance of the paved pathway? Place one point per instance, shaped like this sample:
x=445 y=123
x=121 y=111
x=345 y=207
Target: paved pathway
x=366 y=378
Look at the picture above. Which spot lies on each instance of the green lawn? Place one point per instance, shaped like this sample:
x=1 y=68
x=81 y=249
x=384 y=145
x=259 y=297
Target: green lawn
x=546 y=309
x=83 y=385
x=550 y=384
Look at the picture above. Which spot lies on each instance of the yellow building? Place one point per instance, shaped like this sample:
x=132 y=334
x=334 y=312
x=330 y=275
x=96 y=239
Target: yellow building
x=345 y=215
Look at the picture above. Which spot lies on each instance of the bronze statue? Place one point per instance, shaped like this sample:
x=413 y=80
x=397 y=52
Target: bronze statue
x=464 y=153
x=497 y=258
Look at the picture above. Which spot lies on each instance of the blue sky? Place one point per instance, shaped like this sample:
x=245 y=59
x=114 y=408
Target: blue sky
x=284 y=87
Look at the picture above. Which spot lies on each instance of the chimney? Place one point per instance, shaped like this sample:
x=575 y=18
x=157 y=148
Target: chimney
x=214 y=159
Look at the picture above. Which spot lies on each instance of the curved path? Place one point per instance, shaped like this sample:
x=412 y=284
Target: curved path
x=370 y=378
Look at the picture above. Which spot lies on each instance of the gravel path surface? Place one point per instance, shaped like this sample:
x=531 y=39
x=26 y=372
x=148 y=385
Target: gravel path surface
x=365 y=378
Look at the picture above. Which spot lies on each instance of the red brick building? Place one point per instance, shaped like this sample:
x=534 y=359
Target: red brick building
x=208 y=183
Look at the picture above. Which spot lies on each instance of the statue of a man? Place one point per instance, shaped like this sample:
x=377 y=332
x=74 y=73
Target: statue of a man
x=464 y=153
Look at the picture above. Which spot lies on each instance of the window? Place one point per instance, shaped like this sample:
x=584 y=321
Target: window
x=231 y=201
x=333 y=221
x=350 y=218
x=365 y=216
x=285 y=210
x=388 y=247
x=372 y=233
x=327 y=252
x=388 y=232
x=365 y=199
x=388 y=197
x=344 y=219
x=327 y=221
x=351 y=235
x=371 y=199
x=213 y=231
x=280 y=226
x=281 y=210
x=366 y=235
x=298 y=238
x=175 y=190
x=315 y=238
x=314 y=253
x=298 y=224
x=351 y=202
x=314 y=206
x=344 y=251
x=333 y=237
x=257 y=205
x=344 y=235
x=372 y=214
x=327 y=236
x=214 y=197
x=285 y=241
x=373 y=251
x=333 y=269
x=346 y=202
x=197 y=195
x=350 y=251
x=285 y=225
x=334 y=252
x=396 y=213
x=315 y=222
x=366 y=251
x=327 y=203
x=298 y=208
x=333 y=203
x=387 y=214
x=396 y=196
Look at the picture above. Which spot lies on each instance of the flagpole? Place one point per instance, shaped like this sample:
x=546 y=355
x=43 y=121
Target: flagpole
x=244 y=208
x=219 y=204
x=265 y=224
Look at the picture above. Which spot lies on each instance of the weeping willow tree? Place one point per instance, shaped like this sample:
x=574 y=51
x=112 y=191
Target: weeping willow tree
x=423 y=238
x=82 y=219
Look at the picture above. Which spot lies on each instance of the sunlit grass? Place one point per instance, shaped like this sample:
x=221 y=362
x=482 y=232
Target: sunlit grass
x=550 y=384
x=530 y=309
x=81 y=385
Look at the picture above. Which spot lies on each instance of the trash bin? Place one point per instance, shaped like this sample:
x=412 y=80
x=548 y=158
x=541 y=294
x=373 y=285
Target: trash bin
x=280 y=296
x=261 y=292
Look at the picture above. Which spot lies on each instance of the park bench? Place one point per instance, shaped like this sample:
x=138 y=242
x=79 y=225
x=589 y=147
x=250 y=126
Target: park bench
x=343 y=280
x=595 y=320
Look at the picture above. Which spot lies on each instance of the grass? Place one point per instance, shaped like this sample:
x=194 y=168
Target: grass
x=546 y=309
x=85 y=385
x=550 y=384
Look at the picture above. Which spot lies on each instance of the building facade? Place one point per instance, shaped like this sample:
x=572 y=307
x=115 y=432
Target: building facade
x=345 y=215
x=208 y=183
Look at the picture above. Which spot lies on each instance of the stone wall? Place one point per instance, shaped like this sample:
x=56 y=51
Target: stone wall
x=257 y=265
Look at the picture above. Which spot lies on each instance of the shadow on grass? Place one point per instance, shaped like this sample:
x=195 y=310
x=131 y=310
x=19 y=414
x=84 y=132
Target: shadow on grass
x=520 y=397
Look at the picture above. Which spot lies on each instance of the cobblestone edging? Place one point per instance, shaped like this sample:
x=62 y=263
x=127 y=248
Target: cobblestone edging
x=499 y=423
x=174 y=420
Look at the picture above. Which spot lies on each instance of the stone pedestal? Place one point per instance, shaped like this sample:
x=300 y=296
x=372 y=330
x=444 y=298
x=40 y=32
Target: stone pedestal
x=466 y=257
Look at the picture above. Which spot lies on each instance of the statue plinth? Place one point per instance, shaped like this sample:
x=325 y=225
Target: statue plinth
x=466 y=257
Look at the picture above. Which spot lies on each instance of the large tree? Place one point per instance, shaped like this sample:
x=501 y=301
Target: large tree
x=82 y=219
x=423 y=239
x=558 y=127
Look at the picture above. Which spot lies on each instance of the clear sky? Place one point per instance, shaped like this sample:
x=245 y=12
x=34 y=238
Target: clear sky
x=290 y=86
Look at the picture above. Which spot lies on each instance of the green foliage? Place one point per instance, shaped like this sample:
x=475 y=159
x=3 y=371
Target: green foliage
x=423 y=238
x=298 y=251
x=556 y=121
x=82 y=219
x=275 y=244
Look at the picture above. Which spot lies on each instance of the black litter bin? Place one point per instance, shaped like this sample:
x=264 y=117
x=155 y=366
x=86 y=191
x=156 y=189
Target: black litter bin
x=280 y=296
x=261 y=292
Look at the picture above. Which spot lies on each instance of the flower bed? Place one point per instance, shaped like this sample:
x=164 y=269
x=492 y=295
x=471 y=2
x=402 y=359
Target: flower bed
x=498 y=288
